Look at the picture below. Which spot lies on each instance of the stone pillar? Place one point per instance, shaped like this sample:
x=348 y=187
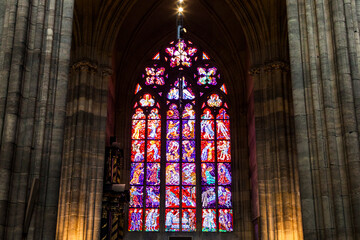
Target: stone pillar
x=324 y=55
x=280 y=211
x=81 y=188
x=34 y=61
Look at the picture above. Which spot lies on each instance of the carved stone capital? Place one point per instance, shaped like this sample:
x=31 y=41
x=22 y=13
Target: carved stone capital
x=106 y=70
x=85 y=65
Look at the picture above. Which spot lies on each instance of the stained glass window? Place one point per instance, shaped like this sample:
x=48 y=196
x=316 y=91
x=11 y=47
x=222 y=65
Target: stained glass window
x=180 y=145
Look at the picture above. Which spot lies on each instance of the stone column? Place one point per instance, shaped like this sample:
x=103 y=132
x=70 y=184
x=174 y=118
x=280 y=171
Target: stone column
x=81 y=189
x=34 y=61
x=324 y=54
x=280 y=211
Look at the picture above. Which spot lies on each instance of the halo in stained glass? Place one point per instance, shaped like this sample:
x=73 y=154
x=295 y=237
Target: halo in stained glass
x=139 y=114
x=223 y=151
x=154 y=129
x=172 y=151
x=189 y=112
x=224 y=195
x=208 y=197
x=172 y=221
x=173 y=130
x=188 y=129
x=152 y=219
x=172 y=197
x=152 y=197
x=153 y=174
x=207 y=129
x=214 y=101
x=172 y=174
x=137 y=174
x=188 y=151
x=188 y=174
x=189 y=197
x=189 y=220
x=207 y=114
x=207 y=151
x=222 y=114
x=208 y=173
x=154 y=114
x=209 y=220
x=224 y=173
x=136 y=197
x=147 y=101
x=137 y=151
x=225 y=220
x=173 y=112
x=135 y=219
x=153 y=151
x=223 y=129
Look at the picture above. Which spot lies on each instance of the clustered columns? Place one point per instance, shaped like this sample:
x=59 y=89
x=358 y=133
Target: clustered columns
x=79 y=213
x=279 y=202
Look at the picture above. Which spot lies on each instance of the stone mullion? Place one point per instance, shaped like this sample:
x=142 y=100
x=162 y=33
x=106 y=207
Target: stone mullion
x=350 y=129
x=10 y=97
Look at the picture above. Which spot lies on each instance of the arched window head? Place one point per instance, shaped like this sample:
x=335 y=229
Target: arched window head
x=180 y=145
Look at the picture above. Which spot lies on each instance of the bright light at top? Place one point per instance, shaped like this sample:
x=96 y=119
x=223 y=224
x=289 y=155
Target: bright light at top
x=180 y=10
x=181 y=1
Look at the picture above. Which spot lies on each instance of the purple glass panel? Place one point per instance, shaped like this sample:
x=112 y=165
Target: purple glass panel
x=208 y=197
x=135 y=219
x=153 y=174
x=173 y=112
x=152 y=197
x=224 y=194
x=188 y=129
x=173 y=131
x=172 y=151
x=224 y=173
x=188 y=151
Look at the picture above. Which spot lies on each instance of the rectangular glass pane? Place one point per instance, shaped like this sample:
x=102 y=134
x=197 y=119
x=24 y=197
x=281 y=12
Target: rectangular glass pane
x=137 y=174
x=138 y=129
x=224 y=195
x=153 y=174
x=188 y=129
x=173 y=131
x=188 y=197
x=172 y=174
x=188 y=174
x=152 y=220
x=208 y=173
x=135 y=219
x=224 y=173
x=172 y=199
x=209 y=220
x=223 y=151
x=207 y=129
x=207 y=151
x=223 y=129
x=152 y=197
x=136 y=197
x=172 y=151
x=225 y=220
x=188 y=151
x=137 y=151
x=172 y=221
x=154 y=129
x=188 y=220
x=153 y=151
x=208 y=197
